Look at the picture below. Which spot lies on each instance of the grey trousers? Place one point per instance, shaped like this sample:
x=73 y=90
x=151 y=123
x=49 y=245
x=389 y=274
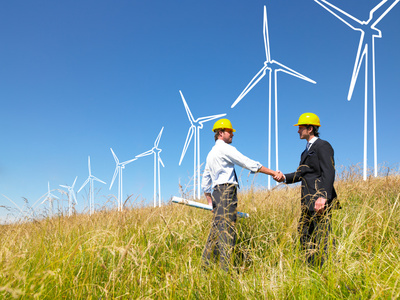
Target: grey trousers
x=222 y=237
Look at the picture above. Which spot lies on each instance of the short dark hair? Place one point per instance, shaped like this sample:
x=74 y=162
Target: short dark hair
x=315 y=129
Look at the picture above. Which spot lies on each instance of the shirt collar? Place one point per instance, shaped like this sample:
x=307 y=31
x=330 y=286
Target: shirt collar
x=219 y=141
x=313 y=140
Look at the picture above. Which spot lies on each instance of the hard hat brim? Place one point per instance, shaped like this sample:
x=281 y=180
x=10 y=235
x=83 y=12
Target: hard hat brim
x=306 y=124
x=233 y=130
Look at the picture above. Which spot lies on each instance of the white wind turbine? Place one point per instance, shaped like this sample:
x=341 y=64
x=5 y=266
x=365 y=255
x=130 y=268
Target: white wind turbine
x=90 y=180
x=366 y=52
x=157 y=161
x=273 y=68
x=49 y=197
x=118 y=170
x=194 y=129
x=71 y=196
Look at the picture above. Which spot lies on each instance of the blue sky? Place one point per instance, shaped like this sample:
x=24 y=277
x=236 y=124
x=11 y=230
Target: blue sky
x=79 y=77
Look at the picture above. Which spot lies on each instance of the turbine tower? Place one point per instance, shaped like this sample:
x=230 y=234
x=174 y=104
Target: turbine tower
x=90 y=180
x=273 y=68
x=365 y=52
x=194 y=129
x=71 y=196
x=118 y=170
x=49 y=197
x=157 y=161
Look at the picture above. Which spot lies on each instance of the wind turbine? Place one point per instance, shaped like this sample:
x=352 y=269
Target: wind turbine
x=71 y=196
x=118 y=170
x=194 y=129
x=157 y=161
x=366 y=52
x=90 y=180
x=273 y=68
x=49 y=197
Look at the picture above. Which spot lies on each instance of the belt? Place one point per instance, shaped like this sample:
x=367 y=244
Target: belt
x=225 y=185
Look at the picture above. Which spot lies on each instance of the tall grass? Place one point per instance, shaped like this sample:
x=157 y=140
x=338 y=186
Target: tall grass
x=155 y=253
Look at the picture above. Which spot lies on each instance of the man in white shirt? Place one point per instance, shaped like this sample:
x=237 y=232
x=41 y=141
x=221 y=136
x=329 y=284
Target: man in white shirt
x=220 y=176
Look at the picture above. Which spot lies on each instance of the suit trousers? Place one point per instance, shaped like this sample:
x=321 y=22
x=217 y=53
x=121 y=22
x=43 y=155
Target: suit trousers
x=314 y=230
x=222 y=237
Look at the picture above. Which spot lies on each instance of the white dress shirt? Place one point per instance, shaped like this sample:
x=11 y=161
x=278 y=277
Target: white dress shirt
x=312 y=142
x=220 y=165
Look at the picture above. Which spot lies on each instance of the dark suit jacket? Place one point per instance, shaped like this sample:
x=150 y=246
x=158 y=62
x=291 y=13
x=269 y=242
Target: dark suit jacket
x=316 y=173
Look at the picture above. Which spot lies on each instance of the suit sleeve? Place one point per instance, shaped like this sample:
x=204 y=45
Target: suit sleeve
x=293 y=177
x=327 y=165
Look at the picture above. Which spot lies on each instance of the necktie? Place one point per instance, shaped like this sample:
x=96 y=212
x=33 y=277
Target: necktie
x=308 y=146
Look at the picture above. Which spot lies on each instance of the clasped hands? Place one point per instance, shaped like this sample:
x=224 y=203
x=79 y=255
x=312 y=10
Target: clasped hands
x=278 y=176
x=319 y=204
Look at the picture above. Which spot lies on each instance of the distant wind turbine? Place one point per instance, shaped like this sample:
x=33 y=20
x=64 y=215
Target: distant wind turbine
x=194 y=129
x=157 y=161
x=71 y=196
x=90 y=180
x=273 y=68
x=49 y=197
x=118 y=170
x=366 y=51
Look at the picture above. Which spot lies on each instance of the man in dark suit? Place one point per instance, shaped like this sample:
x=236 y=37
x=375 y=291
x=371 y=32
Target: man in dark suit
x=317 y=175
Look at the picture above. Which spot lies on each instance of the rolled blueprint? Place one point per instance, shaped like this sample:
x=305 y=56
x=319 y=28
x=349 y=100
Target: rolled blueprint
x=201 y=205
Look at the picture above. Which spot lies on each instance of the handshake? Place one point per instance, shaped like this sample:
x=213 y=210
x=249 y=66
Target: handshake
x=278 y=176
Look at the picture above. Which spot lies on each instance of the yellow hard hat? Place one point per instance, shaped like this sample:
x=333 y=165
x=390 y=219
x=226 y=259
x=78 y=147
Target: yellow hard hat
x=308 y=119
x=223 y=124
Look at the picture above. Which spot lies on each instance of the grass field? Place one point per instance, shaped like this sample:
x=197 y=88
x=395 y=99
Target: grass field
x=155 y=253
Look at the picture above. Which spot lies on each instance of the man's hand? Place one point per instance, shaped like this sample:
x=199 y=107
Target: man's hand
x=320 y=205
x=279 y=177
x=209 y=198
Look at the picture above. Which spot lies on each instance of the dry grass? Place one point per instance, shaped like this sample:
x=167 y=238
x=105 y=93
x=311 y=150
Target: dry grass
x=155 y=252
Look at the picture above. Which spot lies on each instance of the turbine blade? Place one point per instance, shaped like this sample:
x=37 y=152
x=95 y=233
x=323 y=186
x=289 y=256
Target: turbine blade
x=187 y=142
x=73 y=196
x=266 y=36
x=53 y=196
x=85 y=183
x=74 y=182
x=145 y=153
x=343 y=16
x=128 y=161
x=160 y=160
x=252 y=83
x=209 y=118
x=90 y=172
x=293 y=72
x=95 y=178
x=64 y=186
x=188 y=112
x=362 y=49
x=115 y=157
x=117 y=169
x=381 y=10
x=158 y=138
